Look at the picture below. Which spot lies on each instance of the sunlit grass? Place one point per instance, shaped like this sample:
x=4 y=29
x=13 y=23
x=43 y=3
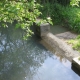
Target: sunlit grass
x=79 y=58
x=75 y=43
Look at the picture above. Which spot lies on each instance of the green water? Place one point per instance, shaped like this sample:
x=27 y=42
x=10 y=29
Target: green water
x=57 y=29
x=30 y=60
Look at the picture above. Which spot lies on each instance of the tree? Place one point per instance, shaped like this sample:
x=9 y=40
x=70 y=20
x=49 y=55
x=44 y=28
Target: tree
x=75 y=2
x=25 y=12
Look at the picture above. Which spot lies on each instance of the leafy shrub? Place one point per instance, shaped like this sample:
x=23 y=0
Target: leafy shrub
x=25 y=12
x=68 y=16
x=48 y=9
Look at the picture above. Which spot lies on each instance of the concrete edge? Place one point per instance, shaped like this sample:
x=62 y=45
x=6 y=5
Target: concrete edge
x=76 y=62
x=60 y=45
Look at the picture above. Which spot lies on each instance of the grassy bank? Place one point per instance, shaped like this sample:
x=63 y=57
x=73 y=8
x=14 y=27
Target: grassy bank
x=75 y=43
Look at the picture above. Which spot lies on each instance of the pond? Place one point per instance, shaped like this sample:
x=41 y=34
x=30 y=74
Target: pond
x=29 y=59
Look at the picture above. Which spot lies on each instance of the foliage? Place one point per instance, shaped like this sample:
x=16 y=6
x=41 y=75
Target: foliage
x=75 y=43
x=46 y=10
x=49 y=10
x=75 y=2
x=46 y=1
x=68 y=16
x=79 y=58
x=64 y=2
x=25 y=12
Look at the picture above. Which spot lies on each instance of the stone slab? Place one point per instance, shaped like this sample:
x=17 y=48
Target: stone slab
x=66 y=35
x=44 y=28
x=76 y=63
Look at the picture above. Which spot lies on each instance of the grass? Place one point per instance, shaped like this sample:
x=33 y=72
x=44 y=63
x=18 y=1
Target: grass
x=64 y=15
x=68 y=16
x=79 y=58
x=75 y=43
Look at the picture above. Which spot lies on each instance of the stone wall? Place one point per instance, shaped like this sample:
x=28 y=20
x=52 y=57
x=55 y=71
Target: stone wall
x=61 y=47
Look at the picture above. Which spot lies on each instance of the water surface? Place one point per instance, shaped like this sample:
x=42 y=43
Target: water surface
x=30 y=60
x=57 y=29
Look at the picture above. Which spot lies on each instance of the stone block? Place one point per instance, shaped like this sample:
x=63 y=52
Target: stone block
x=76 y=63
x=44 y=28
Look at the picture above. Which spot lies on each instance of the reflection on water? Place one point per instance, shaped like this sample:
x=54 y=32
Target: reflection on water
x=29 y=60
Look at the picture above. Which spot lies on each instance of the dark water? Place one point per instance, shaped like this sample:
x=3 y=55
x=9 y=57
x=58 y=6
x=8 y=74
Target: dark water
x=29 y=60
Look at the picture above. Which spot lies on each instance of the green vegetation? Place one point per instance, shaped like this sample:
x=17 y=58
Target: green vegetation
x=79 y=58
x=68 y=16
x=23 y=11
x=75 y=43
x=75 y=2
x=26 y=13
x=65 y=13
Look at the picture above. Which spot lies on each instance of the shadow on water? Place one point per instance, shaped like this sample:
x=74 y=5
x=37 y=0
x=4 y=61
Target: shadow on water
x=75 y=70
x=29 y=60
x=17 y=56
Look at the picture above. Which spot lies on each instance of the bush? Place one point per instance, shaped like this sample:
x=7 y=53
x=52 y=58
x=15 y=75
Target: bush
x=25 y=12
x=68 y=16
